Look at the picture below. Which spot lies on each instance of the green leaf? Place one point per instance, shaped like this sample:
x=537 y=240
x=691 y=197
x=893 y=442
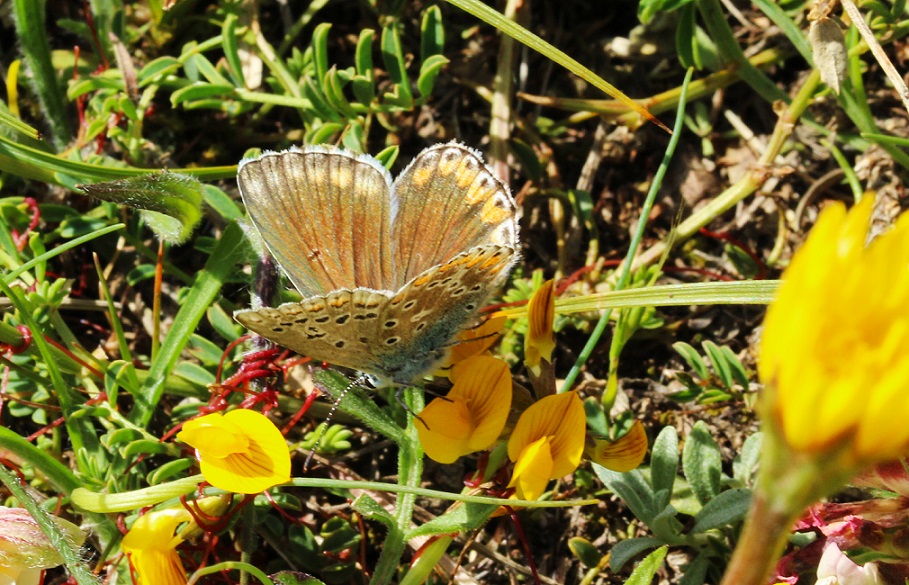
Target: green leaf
x=632 y=489
x=702 y=463
x=735 y=367
x=664 y=463
x=231 y=50
x=692 y=357
x=335 y=81
x=720 y=365
x=627 y=549
x=643 y=574
x=585 y=551
x=727 y=508
x=208 y=70
x=200 y=91
x=363 y=58
x=170 y=470
x=648 y=8
x=685 y=37
x=744 y=467
x=160 y=67
x=429 y=70
x=371 y=510
x=463 y=518
x=432 y=34
x=171 y=202
x=320 y=51
x=393 y=58
x=527 y=158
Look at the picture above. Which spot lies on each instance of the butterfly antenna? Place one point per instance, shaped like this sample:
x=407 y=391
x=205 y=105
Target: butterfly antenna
x=331 y=413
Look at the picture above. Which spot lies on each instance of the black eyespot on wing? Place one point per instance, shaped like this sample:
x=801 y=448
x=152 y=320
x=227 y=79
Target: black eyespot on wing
x=341 y=319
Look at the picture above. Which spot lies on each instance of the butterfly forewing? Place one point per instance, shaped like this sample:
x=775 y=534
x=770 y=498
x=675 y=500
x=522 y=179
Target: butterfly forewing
x=324 y=215
x=449 y=202
x=389 y=274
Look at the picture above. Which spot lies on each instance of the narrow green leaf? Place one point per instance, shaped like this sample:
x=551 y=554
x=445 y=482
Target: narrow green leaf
x=735 y=367
x=157 y=69
x=692 y=358
x=172 y=203
x=199 y=91
x=207 y=69
x=393 y=58
x=429 y=70
x=632 y=489
x=645 y=571
x=720 y=365
x=231 y=49
x=702 y=463
x=320 y=51
x=726 y=509
x=627 y=549
x=31 y=38
x=664 y=463
x=363 y=56
x=432 y=34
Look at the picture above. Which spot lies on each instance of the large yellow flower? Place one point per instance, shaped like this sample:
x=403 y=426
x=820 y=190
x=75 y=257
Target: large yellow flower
x=471 y=417
x=241 y=451
x=835 y=349
x=547 y=443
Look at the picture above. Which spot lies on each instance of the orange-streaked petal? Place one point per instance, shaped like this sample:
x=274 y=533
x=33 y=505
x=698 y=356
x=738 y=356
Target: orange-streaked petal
x=539 y=342
x=476 y=340
x=625 y=453
x=264 y=463
x=152 y=547
x=472 y=416
x=444 y=428
x=485 y=384
x=561 y=418
x=532 y=470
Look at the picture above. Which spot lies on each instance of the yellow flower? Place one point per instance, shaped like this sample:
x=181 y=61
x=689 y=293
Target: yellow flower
x=152 y=547
x=241 y=451
x=471 y=417
x=623 y=454
x=835 y=349
x=539 y=342
x=834 y=360
x=547 y=443
x=24 y=548
x=474 y=341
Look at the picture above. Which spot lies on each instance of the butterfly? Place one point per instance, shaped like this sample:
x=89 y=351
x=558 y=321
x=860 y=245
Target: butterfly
x=390 y=271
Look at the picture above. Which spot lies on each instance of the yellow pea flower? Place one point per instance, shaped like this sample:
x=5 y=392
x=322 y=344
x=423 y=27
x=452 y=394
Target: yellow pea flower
x=151 y=546
x=539 y=343
x=474 y=341
x=240 y=451
x=547 y=443
x=625 y=453
x=471 y=417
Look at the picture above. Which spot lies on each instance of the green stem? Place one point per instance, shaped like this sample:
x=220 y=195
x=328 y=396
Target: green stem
x=760 y=544
x=410 y=471
x=30 y=32
x=625 y=271
x=748 y=184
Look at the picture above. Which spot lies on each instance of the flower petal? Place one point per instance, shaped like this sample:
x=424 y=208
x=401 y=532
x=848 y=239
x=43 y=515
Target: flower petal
x=264 y=463
x=532 y=470
x=625 y=453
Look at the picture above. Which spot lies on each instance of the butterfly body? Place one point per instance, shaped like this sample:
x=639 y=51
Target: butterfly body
x=390 y=271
